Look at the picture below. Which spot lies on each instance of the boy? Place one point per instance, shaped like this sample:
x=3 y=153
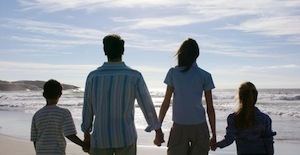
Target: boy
x=51 y=124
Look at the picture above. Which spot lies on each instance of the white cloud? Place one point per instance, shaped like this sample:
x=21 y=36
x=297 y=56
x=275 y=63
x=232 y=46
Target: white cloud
x=265 y=17
x=158 y=22
x=50 y=28
x=63 y=68
x=43 y=67
x=272 y=26
x=264 y=68
x=93 y=5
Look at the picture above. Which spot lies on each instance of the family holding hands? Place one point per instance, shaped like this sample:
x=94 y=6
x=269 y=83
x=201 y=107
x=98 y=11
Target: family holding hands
x=108 y=111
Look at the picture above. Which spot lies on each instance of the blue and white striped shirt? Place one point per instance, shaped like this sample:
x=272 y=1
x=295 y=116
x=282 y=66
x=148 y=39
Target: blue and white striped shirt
x=49 y=127
x=109 y=97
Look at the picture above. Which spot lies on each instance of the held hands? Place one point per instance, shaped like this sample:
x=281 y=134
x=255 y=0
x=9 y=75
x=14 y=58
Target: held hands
x=86 y=142
x=159 y=137
x=86 y=147
x=213 y=143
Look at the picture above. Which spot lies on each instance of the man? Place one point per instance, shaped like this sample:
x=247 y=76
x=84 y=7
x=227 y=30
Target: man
x=109 y=97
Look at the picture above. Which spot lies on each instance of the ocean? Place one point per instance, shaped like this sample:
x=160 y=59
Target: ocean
x=282 y=105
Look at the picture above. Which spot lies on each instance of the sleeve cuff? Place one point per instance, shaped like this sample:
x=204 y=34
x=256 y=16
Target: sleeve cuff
x=153 y=127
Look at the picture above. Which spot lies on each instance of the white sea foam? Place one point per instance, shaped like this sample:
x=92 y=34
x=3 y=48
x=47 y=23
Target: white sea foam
x=283 y=102
x=283 y=105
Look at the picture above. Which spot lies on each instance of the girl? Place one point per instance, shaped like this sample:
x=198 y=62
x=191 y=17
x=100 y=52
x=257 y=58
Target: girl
x=248 y=126
x=187 y=82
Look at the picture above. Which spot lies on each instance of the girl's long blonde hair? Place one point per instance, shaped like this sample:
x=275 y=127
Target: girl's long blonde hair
x=247 y=100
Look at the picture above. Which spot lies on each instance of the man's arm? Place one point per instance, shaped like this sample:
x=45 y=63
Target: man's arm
x=146 y=104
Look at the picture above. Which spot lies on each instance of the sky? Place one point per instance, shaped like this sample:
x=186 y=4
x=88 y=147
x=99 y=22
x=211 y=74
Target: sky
x=248 y=40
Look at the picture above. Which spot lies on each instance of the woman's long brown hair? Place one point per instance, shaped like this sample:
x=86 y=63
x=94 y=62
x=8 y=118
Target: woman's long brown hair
x=187 y=54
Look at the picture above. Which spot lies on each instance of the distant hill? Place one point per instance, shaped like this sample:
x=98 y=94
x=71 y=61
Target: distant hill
x=27 y=85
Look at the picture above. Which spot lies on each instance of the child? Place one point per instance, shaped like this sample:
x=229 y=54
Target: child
x=51 y=123
x=187 y=82
x=248 y=126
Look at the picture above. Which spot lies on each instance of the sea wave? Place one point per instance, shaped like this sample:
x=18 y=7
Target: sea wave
x=289 y=98
x=276 y=102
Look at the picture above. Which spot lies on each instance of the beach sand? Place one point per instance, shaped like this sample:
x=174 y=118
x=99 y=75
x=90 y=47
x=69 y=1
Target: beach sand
x=13 y=146
x=15 y=131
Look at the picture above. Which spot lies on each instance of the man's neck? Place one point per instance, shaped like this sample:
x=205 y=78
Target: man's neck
x=115 y=60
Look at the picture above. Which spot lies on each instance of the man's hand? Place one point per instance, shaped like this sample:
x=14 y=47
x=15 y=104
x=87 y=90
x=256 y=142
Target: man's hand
x=86 y=141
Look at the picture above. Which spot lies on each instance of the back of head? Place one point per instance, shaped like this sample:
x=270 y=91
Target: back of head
x=248 y=93
x=247 y=100
x=52 y=89
x=187 y=53
x=113 y=46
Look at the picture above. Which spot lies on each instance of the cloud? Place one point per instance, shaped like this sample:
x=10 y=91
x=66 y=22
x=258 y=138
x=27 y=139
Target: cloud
x=264 y=17
x=9 y=66
x=158 y=22
x=51 y=28
x=93 y=5
x=49 y=35
x=33 y=67
x=264 y=68
x=271 y=26
x=150 y=69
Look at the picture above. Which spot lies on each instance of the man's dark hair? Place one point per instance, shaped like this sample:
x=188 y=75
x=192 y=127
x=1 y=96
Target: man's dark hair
x=113 y=46
x=52 y=89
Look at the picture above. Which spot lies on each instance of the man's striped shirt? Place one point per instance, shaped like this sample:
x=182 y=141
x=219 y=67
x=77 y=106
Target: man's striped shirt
x=109 y=98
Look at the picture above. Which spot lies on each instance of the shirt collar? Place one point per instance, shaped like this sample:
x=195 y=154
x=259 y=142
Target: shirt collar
x=195 y=64
x=111 y=64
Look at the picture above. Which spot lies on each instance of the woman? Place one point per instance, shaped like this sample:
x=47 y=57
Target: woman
x=248 y=126
x=187 y=82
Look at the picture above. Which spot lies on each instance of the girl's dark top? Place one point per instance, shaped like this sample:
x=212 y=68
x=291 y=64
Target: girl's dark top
x=255 y=140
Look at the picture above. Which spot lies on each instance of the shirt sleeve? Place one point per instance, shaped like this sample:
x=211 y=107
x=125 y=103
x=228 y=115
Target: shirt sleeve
x=209 y=84
x=87 y=112
x=168 y=79
x=68 y=124
x=33 y=135
x=230 y=132
x=268 y=136
x=145 y=102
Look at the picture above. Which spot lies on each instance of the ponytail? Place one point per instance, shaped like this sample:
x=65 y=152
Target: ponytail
x=247 y=100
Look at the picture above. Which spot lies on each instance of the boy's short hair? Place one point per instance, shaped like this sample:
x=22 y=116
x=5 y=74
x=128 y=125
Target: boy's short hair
x=113 y=46
x=52 y=89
